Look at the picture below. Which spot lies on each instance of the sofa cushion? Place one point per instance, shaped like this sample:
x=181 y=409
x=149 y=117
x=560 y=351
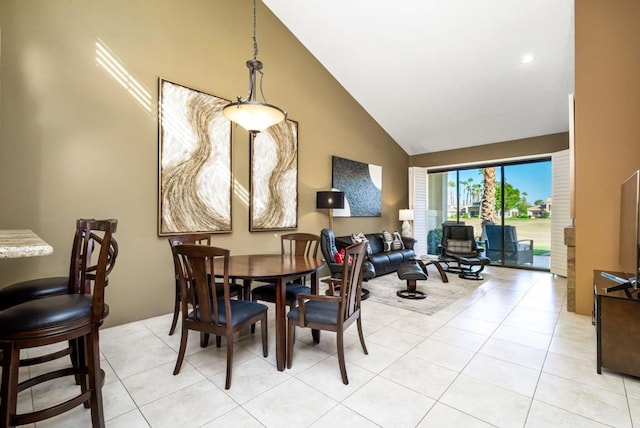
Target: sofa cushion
x=397 y=243
x=387 y=239
x=356 y=238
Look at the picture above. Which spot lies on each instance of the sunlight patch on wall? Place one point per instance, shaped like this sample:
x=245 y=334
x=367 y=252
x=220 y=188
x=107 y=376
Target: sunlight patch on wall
x=114 y=67
x=241 y=192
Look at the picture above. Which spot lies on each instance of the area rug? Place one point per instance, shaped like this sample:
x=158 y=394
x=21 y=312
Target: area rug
x=439 y=294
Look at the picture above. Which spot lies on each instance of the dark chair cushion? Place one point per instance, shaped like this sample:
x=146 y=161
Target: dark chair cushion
x=315 y=311
x=240 y=309
x=25 y=291
x=268 y=292
x=51 y=312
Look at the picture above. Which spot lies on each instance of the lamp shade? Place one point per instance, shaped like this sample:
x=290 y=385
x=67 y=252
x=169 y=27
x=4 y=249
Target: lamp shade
x=253 y=116
x=330 y=199
x=406 y=215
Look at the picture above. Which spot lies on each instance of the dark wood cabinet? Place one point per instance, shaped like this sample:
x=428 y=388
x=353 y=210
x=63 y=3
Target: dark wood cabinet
x=617 y=318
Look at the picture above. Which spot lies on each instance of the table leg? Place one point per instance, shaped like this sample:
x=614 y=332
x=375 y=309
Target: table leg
x=281 y=325
x=315 y=287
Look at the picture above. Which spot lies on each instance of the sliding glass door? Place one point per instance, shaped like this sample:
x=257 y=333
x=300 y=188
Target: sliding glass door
x=509 y=206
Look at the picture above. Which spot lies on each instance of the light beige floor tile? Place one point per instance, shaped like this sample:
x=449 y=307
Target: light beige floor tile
x=582 y=371
x=533 y=320
x=132 y=419
x=513 y=377
x=574 y=347
x=342 y=417
x=380 y=399
x=423 y=377
x=443 y=354
x=514 y=353
x=443 y=416
x=326 y=378
x=307 y=354
x=115 y=334
x=236 y=418
x=395 y=339
x=212 y=360
x=634 y=408
x=378 y=359
x=291 y=403
x=487 y=402
x=158 y=382
x=523 y=337
x=473 y=325
x=543 y=415
x=460 y=338
x=250 y=379
x=195 y=405
x=417 y=324
x=136 y=353
x=588 y=401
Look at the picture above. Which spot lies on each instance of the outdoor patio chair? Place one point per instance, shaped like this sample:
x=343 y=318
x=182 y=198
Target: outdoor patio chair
x=516 y=252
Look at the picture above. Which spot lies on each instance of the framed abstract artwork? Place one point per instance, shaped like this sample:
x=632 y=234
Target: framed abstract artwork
x=362 y=187
x=194 y=173
x=274 y=178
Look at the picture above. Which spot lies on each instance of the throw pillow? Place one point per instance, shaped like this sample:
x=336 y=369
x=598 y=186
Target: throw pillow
x=397 y=243
x=458 y=246
x=387 y=239
x=356 y=238
x=338 y=257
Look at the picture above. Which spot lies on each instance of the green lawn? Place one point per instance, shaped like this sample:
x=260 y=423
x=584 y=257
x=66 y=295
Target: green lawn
x=538 y=229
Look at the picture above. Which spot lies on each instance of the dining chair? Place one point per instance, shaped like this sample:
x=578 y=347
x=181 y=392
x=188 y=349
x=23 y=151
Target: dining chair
x=74 y=316
x=295 y=244
x=333 y=312
x=195 y=239
x=203 y=310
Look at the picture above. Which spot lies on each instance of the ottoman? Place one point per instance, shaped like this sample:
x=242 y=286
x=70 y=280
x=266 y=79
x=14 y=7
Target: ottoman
x=411 y=272
x=470 y=267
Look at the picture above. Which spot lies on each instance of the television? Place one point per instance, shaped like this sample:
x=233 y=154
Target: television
x=629 y=249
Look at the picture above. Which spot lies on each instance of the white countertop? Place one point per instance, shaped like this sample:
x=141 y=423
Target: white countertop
x=16 y=243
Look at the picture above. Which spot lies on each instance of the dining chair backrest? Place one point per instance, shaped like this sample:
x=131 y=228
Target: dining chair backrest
x=90 y=269
x=300 y=244
x=350 y=289
x=199 y=266
x=190 y=238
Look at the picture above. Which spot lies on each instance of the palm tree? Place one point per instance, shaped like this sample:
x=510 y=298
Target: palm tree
x=488 y=206
x=452 y=186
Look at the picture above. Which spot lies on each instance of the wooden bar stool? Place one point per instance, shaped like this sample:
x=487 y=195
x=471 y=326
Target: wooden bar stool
x=75 y=316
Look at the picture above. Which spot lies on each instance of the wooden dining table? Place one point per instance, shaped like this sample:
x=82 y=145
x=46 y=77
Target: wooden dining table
x=277 y=269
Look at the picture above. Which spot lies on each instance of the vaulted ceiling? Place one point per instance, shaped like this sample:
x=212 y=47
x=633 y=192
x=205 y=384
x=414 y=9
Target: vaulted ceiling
x=440 y=75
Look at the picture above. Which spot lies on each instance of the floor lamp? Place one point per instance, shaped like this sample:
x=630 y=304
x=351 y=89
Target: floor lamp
x=330 y=200
x=406 y=217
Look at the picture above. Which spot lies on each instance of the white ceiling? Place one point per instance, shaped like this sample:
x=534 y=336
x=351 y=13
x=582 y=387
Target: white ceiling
x=445 y=74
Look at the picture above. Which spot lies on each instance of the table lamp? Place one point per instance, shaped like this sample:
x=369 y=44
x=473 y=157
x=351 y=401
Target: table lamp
x=330 y=200
x=406 y=216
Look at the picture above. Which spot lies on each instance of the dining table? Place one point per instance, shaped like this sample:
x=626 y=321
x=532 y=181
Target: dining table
x=17 y=243
x=277 y=269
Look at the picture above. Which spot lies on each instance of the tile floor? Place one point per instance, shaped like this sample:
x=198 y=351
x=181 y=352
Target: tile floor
x=507 y=355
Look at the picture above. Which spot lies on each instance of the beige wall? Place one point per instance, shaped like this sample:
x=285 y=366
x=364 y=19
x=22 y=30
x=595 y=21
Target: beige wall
x=607 y=131
x=74 y=143
x=509 y=149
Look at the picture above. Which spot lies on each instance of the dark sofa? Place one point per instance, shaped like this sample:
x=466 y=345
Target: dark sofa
x=380 y=262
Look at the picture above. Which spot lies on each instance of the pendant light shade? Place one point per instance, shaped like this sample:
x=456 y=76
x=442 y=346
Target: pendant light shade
x=251 y=114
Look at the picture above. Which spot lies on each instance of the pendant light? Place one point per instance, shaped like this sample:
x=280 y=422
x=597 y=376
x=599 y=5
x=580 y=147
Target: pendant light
x=251 y=114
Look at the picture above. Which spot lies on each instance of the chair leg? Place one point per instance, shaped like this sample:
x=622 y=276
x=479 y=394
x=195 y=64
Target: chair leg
x=227 y=384
x=343 y=367
x=204 y=340
x=361 y=334
x=265 y=339
x=183 y=348
x=218 y=341
x=95 y=378
x=291 y=338
x=9 y=389
x=176 y=310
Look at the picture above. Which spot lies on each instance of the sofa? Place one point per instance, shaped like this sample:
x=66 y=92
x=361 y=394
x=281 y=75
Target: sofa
x=379 y=262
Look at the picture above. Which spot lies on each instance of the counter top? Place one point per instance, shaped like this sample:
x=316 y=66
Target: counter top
x=16 y=243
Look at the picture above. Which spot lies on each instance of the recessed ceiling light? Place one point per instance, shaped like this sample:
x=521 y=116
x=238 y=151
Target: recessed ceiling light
x=527 y=59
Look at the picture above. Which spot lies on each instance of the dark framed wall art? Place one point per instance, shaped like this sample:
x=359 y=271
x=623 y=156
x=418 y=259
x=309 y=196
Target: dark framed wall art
x=362 y=187
x=274 y=178
x=194 y=167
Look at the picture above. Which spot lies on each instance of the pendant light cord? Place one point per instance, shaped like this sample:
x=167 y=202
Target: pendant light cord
x=255 y=40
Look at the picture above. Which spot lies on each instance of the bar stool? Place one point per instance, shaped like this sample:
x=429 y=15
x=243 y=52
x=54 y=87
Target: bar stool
x=75 y=316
